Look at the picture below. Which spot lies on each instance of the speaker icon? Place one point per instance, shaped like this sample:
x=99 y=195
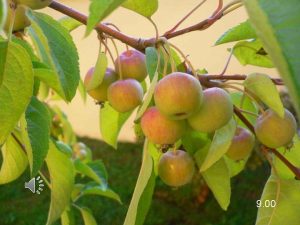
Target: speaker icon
x=35 y=185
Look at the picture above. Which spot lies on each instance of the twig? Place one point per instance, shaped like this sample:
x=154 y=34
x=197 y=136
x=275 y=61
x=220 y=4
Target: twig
x=227 y=63
x=184 y=18
x=210 y=77
x=220 y=5
x=248 y=112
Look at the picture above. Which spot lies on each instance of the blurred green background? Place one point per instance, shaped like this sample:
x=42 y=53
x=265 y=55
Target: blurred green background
x=191 y=205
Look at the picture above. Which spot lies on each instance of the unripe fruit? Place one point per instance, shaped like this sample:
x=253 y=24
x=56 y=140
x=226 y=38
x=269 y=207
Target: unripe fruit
x=34 y=4
x=21 y=20
x=215 y=111
x=176 y=168
x=125 y=95
x=161 y=130
x=81 y=152
x=100 y=92
x=241 y=145
x=133 y=65
x=274 y=131
x=178 y=95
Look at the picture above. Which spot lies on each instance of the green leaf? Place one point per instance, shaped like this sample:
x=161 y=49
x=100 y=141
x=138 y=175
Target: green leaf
x=217 y=177
x=99 y=9
x=192 y=141
x=87 y=216
x=57 y=49
x=143 y=7
x=94 y=170
x=151 y=61
x=286 y=195
x=3 y=54
x=50 y=78
x=261 y=86
x=16 y=87
x=64 y=148
x=69 y=23
x=27 y=47
x=96 y=189
x=220 y=143
x=155 y=154
x=244 y=102
x=14 y=161
x=99 y=72
x=252 y=53
x=292 y=155
x=40 y=44
x=148 y=97
x=3 y=12
x=35 y=126
x=240 y=32
x=67 y=218
x=234 y=167
x=143 y=191
x=276 y=24
x=62 y=173
x=111 y=123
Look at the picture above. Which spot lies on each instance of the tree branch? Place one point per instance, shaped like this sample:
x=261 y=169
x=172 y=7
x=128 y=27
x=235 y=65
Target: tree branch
x=137 y=43
x=211 y=77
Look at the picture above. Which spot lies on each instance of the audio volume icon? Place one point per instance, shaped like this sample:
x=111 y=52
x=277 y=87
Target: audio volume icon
x=35 y=185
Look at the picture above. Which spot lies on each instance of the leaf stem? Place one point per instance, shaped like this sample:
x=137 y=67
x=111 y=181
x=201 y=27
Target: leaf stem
x=107 y=49
x=155 y=27
x=227 y=63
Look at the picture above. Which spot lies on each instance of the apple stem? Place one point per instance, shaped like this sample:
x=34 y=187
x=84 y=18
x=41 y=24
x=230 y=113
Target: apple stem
x=185 y=59
x=107 y=49
x=119 y=60
x=118 y=29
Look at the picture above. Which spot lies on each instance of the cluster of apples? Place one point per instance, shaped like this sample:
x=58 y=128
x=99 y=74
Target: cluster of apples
x=180 y=103
x=123 y=94
x=21 y=20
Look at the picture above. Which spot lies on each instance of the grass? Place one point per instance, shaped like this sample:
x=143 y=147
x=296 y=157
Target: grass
x=183 y=206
